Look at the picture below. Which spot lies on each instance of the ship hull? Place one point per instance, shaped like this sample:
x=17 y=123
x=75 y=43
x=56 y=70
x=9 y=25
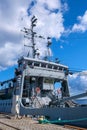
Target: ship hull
x=77 y=115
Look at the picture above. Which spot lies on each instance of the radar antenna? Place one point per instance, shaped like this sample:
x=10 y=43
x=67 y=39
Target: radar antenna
x=48 y=48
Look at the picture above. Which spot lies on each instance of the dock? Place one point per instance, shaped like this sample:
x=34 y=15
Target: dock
x=9 y=122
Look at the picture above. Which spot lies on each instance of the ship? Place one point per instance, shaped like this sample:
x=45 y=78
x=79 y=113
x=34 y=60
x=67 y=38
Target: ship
x=33 y=89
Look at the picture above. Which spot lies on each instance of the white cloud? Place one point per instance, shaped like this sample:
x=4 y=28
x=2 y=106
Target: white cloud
x=61 y=47
x=10 y=40
x=9 y=54
x=14 y=16
x=56 y=4
x=78 y=83
x=50 y=22
x=82 y=25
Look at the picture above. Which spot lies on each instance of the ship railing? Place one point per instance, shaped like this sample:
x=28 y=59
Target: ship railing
x=74 y=97
x=66 y=99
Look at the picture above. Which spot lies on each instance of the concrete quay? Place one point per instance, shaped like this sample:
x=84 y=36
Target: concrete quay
x=8 y=122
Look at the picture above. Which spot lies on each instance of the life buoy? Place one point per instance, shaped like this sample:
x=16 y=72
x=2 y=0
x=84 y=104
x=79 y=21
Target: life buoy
x=59 y=91
x=37 y=90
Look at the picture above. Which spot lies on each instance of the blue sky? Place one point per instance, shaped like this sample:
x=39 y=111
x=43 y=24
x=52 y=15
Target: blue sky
x=63 y=20
x=74 y=45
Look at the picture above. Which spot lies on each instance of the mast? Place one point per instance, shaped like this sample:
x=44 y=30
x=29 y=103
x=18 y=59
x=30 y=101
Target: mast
x=30 y=34
x=33 y=24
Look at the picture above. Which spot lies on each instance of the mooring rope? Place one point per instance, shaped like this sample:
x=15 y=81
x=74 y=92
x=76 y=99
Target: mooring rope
x=45 y=121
